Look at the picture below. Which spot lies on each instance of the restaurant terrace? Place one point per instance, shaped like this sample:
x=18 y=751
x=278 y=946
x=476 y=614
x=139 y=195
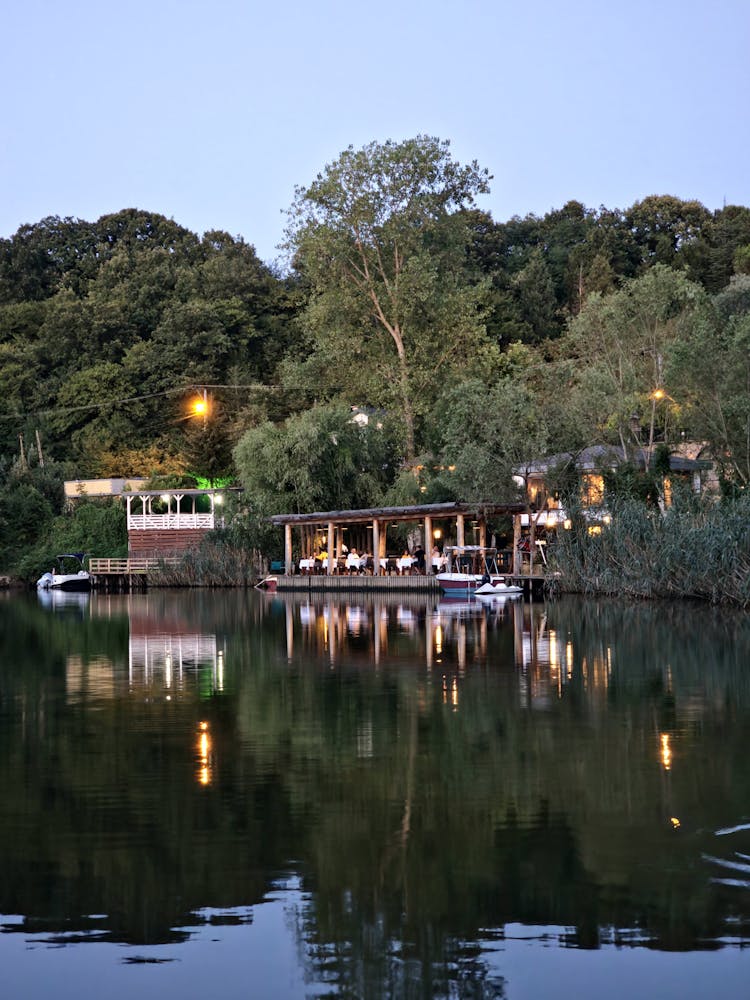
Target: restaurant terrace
x=337 y=532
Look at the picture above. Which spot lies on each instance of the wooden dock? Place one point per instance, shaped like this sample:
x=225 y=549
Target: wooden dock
x=358 y=583
x=533 y=586
x=120 y=576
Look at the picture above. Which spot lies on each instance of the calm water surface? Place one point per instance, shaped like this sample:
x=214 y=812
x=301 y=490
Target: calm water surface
x=231 y=795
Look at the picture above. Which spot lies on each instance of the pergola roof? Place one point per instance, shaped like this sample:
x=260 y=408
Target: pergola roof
x=183 y=492
x=414 y=513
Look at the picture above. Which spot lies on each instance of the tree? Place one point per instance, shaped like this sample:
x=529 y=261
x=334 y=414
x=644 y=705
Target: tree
x=318 y=460
x=619 y=345
x=379 y=241
x=536 y=296
x=709 y=368
x=488 y=432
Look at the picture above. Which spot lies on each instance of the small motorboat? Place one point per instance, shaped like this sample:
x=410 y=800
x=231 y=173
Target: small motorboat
x=498 y=589
x=470 y=568
x=68 y=574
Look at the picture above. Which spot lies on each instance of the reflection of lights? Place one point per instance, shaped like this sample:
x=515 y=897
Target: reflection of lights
x=454 y=694
x=666 y=751
x=439 y=639
x=569 y=657
x=675 y=822
x=204 y=751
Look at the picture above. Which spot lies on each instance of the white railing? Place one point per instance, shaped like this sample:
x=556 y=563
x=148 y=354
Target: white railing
x=171 y=522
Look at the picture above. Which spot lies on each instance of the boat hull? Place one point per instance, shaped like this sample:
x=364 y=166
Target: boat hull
x=71 y=582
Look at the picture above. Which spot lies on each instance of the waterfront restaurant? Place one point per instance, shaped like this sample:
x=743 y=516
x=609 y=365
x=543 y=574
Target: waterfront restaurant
x=336 y=532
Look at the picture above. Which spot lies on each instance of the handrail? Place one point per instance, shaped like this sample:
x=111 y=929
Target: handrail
x=128 y=566
x=143 y=522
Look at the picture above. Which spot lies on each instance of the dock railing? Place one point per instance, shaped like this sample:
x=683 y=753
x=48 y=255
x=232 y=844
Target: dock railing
x=127 y=567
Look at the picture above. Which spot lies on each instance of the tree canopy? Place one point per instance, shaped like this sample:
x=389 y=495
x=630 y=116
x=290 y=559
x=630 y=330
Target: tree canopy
x=479 y=342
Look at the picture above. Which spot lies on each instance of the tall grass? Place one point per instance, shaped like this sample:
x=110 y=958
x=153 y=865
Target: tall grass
x=216 y=563
x=695 y=549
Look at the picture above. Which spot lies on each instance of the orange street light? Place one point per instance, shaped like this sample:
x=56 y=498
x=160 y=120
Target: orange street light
x=200 y=406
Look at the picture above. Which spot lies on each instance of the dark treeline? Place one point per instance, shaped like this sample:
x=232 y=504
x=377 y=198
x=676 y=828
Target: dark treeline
x=474 y=344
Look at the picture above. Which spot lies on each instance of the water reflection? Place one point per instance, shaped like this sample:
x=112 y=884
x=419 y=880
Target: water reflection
x=431 y=776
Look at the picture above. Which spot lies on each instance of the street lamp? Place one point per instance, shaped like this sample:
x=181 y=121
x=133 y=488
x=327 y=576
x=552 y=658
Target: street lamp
x=200 y=406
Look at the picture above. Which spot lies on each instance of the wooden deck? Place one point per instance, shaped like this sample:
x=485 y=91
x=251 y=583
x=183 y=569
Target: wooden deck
x=393 y=584
x=359 y=583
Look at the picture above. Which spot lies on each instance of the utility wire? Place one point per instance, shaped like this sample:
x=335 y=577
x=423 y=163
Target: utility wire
x=125 y=399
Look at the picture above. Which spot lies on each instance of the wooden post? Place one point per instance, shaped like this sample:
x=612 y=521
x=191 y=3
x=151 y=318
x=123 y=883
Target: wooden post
x=376 y=548
x=288 y=549
x=331 y=555
x=482 y=532
x=460 y=530
x=516 y=542
x=428 y=544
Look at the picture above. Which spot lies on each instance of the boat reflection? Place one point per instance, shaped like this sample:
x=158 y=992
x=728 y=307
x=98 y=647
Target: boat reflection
x=64 y=600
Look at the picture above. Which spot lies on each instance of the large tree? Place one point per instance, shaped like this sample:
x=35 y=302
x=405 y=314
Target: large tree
x=379 y=238
x=709 y=368
x=619 y=345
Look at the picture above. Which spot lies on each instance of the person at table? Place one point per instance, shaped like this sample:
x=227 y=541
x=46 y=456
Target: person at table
x=419 y=557
x=352 y=560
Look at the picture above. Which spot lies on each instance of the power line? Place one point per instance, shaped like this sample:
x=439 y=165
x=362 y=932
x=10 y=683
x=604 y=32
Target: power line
x=126 y=399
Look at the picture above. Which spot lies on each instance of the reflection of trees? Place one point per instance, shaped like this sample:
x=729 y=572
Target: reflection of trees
x=416 y=824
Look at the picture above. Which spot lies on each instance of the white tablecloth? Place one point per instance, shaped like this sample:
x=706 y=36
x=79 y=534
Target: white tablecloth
x=307 y=564
x=404 y=563
x=354 y=561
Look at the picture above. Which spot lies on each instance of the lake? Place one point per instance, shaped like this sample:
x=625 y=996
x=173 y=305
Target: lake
x=230 y=795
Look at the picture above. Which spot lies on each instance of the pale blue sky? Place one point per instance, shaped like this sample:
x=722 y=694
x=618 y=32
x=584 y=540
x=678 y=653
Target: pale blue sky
x=210 y=112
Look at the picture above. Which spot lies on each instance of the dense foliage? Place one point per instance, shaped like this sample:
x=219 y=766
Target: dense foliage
x=472 y=345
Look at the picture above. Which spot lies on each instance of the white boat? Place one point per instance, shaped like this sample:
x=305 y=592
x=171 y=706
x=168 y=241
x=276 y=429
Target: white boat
x=68 y=574
x=499 y=589
x=470 y=567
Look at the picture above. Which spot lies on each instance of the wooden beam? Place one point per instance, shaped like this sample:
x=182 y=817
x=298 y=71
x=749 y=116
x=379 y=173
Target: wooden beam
x=460 y=530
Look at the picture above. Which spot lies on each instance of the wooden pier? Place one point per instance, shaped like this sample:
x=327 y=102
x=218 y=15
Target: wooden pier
x=120 y=576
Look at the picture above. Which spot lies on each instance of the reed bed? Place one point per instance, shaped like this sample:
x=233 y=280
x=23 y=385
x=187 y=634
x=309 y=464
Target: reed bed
x=216 y=563
x=695 y=549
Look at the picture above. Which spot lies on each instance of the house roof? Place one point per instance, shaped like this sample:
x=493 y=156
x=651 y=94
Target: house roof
x=605 y=456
